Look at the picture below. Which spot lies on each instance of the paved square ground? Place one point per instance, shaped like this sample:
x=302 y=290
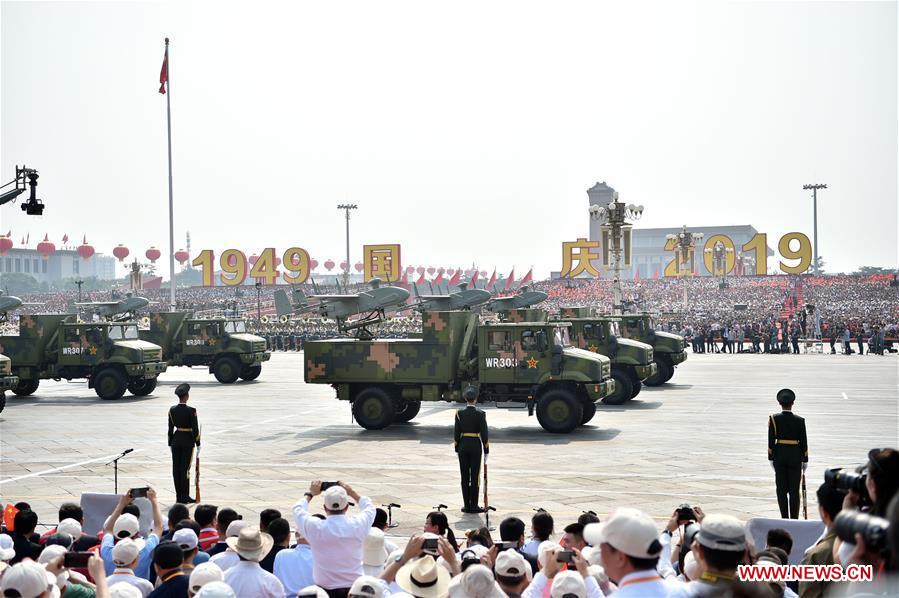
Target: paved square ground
x=701 y=438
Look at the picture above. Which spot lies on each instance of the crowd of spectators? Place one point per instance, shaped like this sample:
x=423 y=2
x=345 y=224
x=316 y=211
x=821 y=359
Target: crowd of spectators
x=337 y=548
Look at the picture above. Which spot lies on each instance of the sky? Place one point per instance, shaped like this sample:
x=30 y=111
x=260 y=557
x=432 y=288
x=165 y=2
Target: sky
x=468 y=132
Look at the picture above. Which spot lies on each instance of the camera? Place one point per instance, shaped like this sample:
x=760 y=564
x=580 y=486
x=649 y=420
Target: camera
x=501 y=546
x=873 y=529
x=326 y=485
x=685 y=513
x=429 y=545
x=839 y=479
x=565 y=556
x=139 y=492
x=76 y=560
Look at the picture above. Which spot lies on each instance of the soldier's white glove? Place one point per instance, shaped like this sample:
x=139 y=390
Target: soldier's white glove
x=198 y=451
x=804 y=467
x=772 y=465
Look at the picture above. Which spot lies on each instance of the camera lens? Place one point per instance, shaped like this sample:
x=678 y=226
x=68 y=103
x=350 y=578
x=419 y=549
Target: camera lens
x=872 y=529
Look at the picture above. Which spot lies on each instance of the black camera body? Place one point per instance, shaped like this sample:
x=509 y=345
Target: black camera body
x=326 y=485
x=685 y=513
x=874 y=530
x=839 y=479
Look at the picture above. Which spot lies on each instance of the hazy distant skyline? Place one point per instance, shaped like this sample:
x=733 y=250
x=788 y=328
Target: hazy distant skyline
x=467 y=132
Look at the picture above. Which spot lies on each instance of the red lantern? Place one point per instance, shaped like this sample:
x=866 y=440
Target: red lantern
x=85 y=250
x=410 y=269
x=484 y=273
x=450 y=272
x=431 y=270
x=313 y=263
x=441 y=270
x=420 y=270
x=5 y=244
x=253 y=259
x=182 y=256
x=329 y=265
x=153 y=254
x=46 y=248
x=121 y=252
x=359 y=267
x=343 y=265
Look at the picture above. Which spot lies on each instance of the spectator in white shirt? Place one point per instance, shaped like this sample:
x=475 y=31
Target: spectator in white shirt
x=337 y=541
x=293 y=567
x=201 y=575
x=119 y=527
x=247 y=578
x=227 y=559
x=125 y=555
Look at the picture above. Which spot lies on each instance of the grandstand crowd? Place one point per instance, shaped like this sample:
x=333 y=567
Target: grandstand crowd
x=334 y=543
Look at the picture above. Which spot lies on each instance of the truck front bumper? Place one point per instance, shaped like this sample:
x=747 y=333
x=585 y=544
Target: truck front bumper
x=252 y=359
x=8 y=382
x=150 y=369
x=677 y=358
x=600 y=390
x=645 y=371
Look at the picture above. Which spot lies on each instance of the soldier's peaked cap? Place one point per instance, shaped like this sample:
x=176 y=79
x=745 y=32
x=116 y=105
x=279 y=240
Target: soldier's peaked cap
x=470 y=393
x=182 y=390
x=786 y=396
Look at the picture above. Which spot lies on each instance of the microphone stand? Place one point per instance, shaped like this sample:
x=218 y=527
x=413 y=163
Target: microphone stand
x=115 y=467
x=390 y=523
x=439 y=507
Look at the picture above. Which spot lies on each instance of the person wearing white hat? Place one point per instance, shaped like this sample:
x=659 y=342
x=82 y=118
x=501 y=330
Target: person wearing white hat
x=204 y=573
x=125 y=556
x=293 y=567
x=720 y=547
x=187 y=539
x=630 y=550
x=312 y=591
x=247 y=578
x=29 y=580
x=368 y=586
x=118 y=527
x=228 y=558
x=337 y=541
x=216 y=589
x=71 y=527
x=124 y=590
x=423 y=578
x=511 y=571
x=7 y=551
x=563 y=584
x=476 y=582
x=373 y=552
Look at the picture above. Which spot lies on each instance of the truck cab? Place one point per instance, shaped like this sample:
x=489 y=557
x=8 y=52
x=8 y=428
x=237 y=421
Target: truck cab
x=669 y=349
x=7 y=380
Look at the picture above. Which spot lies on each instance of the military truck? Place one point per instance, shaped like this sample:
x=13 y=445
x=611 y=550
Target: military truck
x=222 y=344
x=668 y=349
x=108 y=354
x=632 y=360
x=7 y=380
x=527 y=362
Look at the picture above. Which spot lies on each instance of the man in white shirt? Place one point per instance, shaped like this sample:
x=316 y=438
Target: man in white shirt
x=247 y=578
x=630 y=548
x=118 y=527
x=228 y=558
x=293 y=567
x=337 y=541
x=125 y=556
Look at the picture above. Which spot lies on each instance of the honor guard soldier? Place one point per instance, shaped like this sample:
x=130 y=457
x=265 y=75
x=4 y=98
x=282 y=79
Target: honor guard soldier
x=788 y=453
x=184 y=434
x=470 y=436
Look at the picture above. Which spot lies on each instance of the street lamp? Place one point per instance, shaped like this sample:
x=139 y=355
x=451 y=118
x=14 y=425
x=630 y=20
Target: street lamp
x=258 y=301
x=79 y=282
x=346 y=207
x=719 y=255
x=814 y=188
x=685 y=247
x=614 y=218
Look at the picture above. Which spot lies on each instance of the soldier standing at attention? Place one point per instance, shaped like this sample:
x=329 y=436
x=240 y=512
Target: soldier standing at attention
x=788 y=453
x=470 y=433
x=184 y=433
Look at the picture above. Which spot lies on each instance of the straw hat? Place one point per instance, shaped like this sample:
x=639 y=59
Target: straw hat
x=251 y=544
x=423 y=578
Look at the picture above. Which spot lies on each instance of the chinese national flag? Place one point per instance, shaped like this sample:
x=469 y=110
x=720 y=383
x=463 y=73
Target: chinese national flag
x=439 y=278
x=510 y=280
x=656 y=273
x=421 y=279
x=456 y=277
x=164 y=72
x=9 y=517
x=636 y=275
x=527 y=278
x=474 y=280
x=492 y=281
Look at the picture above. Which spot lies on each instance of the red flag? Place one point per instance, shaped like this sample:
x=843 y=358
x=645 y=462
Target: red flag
x=656 y=273
x=421 y=279
x=474 y=280
x=636 y=275
x=527 y=278
x=455 y=279
x=510 y=280
x=492 y=281
x=439 y=278
x=9 y=517
x=164 y=72
x=405 y=279
x=65 y=238
x=27 y=239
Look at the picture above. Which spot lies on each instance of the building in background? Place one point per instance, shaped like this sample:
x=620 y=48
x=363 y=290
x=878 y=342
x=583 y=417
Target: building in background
x=60 y=265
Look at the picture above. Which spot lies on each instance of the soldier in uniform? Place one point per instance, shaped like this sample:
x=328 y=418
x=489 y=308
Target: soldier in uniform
x=470 y=435
x=184 y=433
x=788 y=453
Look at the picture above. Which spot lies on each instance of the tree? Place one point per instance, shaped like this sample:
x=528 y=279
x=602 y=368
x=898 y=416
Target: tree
x=820 y=265
x=17 y=282
x=869 y=270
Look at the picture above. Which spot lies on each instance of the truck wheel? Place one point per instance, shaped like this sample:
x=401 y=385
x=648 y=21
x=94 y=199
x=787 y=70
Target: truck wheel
x=409 y=410
x=26 y=387
x=662 y=375
x=637 y=387
x=589 y=410
x=559 y=411
x=623 y=388
x=141 y=387
x=251 y=373
x=373 y=409
x=226 y=369
x=2 y=400
x=110 y=384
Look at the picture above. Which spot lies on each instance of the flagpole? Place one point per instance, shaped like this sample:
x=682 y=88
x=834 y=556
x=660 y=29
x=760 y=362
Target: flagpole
x=168 y=110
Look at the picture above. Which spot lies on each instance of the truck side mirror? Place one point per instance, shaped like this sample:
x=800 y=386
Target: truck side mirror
x=541 y=341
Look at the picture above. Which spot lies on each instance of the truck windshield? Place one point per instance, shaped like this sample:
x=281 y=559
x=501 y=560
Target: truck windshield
x=235 y=326
x=118 y=333
x=560 y=337
x=613 y=329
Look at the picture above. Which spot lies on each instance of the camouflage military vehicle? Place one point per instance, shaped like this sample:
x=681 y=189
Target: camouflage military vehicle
x=668 y=349
x=109 y=354
x=222 y=344
x=527 y=362
x=7 y=380
x=632 y=360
